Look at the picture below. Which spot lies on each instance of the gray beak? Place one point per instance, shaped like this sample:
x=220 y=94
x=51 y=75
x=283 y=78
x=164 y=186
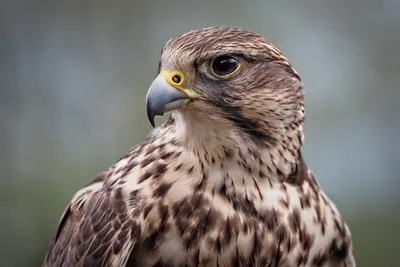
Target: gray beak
x=162 y=97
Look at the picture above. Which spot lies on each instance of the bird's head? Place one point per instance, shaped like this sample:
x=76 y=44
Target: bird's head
x=231 y=77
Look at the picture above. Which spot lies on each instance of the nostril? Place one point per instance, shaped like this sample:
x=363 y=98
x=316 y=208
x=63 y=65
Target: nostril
x=177 y=79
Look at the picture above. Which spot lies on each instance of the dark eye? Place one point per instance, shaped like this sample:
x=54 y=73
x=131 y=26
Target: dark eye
x=224 y=66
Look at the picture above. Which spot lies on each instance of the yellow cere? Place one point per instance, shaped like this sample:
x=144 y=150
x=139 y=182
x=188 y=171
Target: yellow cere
x=176 y=80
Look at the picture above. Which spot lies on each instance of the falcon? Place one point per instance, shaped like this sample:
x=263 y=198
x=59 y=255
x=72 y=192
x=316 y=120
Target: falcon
x=222 y=182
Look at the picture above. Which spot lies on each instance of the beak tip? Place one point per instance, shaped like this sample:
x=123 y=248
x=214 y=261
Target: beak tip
x=151 y=116
x=152 y=123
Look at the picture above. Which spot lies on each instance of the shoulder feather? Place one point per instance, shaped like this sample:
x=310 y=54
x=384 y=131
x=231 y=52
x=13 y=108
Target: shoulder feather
x=95 y=229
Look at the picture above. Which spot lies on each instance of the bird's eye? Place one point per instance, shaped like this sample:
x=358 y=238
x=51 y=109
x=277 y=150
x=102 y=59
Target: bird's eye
x=224 y=66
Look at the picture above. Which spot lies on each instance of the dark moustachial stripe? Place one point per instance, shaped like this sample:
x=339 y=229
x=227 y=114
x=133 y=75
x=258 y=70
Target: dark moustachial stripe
x=249 y=126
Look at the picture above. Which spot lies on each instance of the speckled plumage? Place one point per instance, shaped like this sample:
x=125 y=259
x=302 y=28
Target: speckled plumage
x=221 y=183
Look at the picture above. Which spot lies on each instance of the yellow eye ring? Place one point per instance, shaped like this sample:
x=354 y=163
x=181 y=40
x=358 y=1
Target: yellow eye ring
x=224 y=66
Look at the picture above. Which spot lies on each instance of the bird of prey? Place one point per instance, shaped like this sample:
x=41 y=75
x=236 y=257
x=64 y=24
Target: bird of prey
x=222 y=182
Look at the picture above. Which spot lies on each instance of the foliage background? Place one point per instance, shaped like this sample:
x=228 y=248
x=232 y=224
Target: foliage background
x=73 y=79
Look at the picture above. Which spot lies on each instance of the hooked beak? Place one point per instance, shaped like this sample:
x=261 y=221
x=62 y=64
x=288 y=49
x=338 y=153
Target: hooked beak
x=166 y=94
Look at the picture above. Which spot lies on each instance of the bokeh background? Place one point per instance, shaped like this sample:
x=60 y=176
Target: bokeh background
x=74 y=75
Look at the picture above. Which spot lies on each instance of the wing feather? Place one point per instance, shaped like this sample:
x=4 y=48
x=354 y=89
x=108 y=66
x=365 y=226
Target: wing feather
x=95 y=230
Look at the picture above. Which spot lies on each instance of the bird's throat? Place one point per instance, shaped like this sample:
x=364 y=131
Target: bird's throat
x=219 y=146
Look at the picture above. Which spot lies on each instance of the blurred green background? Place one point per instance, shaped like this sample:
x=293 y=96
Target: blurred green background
x=74 y=75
